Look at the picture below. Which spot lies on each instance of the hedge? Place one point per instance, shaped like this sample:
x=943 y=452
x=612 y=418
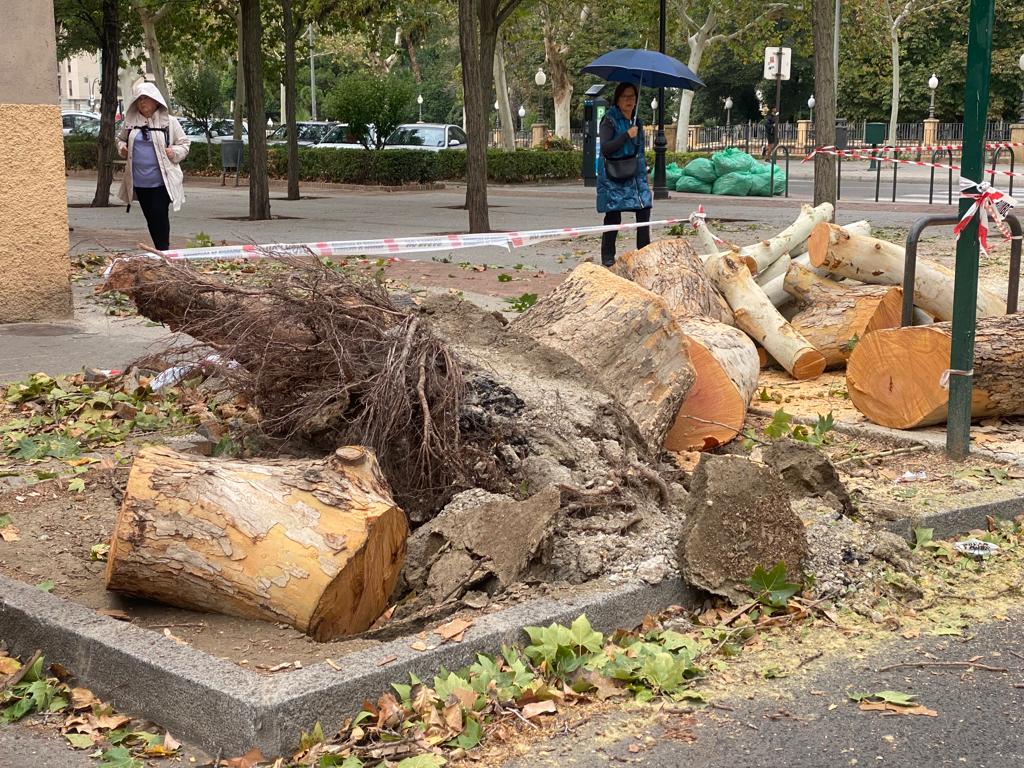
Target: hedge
x=393 y=167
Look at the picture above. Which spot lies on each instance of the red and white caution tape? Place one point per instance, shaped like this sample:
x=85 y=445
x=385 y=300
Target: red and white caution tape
x=389 y=246
x=952 y=147
x=987 y=202
x=698 y=219
x=881 y=158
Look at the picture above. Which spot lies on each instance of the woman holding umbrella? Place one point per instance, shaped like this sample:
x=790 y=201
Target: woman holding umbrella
x=622 y=173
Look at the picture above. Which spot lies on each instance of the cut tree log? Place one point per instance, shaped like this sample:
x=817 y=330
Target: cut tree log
x=835 y=317
x=624 y=336
x=881 y=263
x=767 y=251
x=755 y=314
x=777 y=268
x=671 y=269
x=708 y=243
x=727 y=367
x=859 y=227
x=894 y=376
x=317 y=545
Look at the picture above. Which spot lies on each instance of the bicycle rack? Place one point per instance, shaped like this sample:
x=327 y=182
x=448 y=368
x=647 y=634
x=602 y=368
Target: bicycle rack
x=771 y=186
x=910 y=263
x=931 y=181
x=995 y=159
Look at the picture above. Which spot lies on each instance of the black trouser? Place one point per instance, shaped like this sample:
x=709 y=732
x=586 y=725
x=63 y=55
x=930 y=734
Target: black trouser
x=643 y=234
x=154 y=202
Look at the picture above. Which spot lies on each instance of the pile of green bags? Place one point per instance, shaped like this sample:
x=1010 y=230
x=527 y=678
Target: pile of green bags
x=729 y=172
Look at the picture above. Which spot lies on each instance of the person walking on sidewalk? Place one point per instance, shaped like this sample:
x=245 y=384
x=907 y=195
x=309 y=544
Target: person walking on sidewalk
x=771 y=133
x=622 y=173
x=154 y=145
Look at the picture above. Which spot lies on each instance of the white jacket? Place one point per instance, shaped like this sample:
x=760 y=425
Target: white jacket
x=176 y=139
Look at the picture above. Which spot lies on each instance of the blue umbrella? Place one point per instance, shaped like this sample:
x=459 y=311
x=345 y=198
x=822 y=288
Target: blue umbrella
x=648 y=69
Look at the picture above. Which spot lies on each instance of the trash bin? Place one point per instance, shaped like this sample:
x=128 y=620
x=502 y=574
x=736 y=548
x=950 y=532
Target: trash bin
x=593 y=110
x=231 y=154
x=842 y=133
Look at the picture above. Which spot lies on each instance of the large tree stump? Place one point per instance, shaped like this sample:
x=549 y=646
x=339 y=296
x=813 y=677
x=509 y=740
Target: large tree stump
x=624 y=337
x=894 y=376
x=727 y=367
x=317 y=545
x=756 y=315
x=834 y=316
x=674 y=271
x=881 y=263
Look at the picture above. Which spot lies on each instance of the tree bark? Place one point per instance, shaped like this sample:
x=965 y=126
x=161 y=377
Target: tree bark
x=671 y=269
x=558 y=71
x=252 y=44
x=151 y=43
x=508 y=128
x=823 y=33
x=624 y=337
x=726 y=365
x=317 y=545
x=109 y=58
x=755 y=314
x=881 y=263
x=894 y=376
x=765 y=252
x=834 y=317
x=290 y=93
x=476 y=47
x=239 y=111
x=698 y=42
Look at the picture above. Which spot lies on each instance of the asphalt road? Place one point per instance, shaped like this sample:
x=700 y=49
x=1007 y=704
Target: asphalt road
x=979 y=720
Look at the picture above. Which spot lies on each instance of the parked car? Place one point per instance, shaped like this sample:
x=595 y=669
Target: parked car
x=339 y=137
x=309 y=133
x=79 y=122
x=432 y=137
x=220 y=130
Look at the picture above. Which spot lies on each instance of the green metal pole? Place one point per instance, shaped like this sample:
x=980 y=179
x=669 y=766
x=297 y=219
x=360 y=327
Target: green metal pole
x=965 y=291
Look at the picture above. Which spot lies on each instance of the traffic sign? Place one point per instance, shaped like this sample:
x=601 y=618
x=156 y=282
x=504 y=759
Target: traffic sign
x=776 y=65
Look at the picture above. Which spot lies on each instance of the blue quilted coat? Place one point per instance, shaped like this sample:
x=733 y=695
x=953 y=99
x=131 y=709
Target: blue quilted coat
x=624 y=195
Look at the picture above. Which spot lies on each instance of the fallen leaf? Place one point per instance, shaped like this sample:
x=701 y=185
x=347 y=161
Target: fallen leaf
x=390 y=712
x=479 y=268
x=83 y=698
x=604 y=687
x=8 y=666
x=466 y=697
x=452 y=714
x=885 y=706
x=114 y=613
x=276 y=667
x=419 y=645
x=387 y=660
x=80 y=740
x=175 y=638
x=454 y=629
x=111 y=722
x=249 y=760
x=384 y=618
x=538 y=708
x=10 y=534
x=333 y=665
x=911 y=634
x=634 y=748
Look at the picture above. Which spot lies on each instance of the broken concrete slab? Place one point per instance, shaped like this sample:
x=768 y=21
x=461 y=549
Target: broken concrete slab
x=808 y=472
x=738 y=517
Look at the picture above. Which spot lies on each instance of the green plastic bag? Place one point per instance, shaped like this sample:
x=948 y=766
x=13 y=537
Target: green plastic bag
x=736 y=184
x=732 y=160
x=672 y=174
x=701 y=168
x=692 y=184
x=759 y=180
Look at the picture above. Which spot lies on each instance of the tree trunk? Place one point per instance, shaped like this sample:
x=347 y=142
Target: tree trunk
x=776 y=269
x=290 y=93
x=414 y=65
x=110 y=58
x=151 y=42
x=894 y=376
x=252 y=38
x=698 y=42
x=765 y=252
x=508 y=127
x=894 y=109
x=561 y=83
x=317 y=545
x=835 y=317
x=881 y=263
x=726 y=365
x=671 y=269
x=823 y=33
x=755 y=314
x=239 y=111
x=624 y=337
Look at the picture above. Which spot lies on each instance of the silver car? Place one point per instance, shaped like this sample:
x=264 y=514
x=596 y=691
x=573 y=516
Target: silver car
x=339 y=137
x=432 y=137
x=309 y=133
x=73 y=121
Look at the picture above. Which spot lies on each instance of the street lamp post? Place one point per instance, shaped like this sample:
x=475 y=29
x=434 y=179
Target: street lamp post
x=522 y=114
x=540 y=78
x=933 y=83
x=1020 y=63
x=660 y=144
x=312 y=72
x=497 y=116
x=419 y=101
x=728 y=119
x=810 y=105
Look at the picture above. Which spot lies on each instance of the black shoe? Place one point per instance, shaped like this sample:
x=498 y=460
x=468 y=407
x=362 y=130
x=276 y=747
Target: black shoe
x=608 y=264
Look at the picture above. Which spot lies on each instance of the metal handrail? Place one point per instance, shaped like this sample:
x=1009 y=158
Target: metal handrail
x=931 y=181
x=774 y=155
x=995 y=159
x=910 y=263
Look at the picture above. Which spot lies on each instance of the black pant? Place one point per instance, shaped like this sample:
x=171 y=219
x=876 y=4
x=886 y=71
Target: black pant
x=154 y=202
x=643 y=234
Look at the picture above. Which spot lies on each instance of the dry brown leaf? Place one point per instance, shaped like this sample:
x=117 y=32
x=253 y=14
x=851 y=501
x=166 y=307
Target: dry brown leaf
x=390 y=713
x=421 y=698
x=634 y=748
x=604 y=687
x=538 y=708
x=250 y=759
x=419 y=645
x=384 y=618
x=885 y=706
x=452 y=714
x=114 y=613
x=454 y=629
x=10 y=534
x=111 y=722
x=911 y=634
x=170 y=636
x=8 y=666
x=171 y=744
x=387 y=660
x=465 y=697
x=479 y=268
x=83 y=698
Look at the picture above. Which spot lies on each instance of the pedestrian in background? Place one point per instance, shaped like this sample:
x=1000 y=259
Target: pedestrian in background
x=771 y=133
x=154 y=145
x=622 y=173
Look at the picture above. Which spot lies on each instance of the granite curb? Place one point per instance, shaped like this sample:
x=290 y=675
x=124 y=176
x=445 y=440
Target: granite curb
x=220 y=706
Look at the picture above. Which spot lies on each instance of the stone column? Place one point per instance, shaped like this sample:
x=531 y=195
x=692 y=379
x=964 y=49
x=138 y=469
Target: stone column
x=1017 y=136
x=34 y=243
x=540 y=132
x=670 y=136
x=931 y=132
x=803 y=136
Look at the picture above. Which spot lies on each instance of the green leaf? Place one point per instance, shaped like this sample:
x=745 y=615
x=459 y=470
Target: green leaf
x=504 y=278
x=99 y=552
x=663 y=672
x=5 y=520
x=779 y=425
x=422 y=761
x=923 y=537
x=584 y=638
x=771 y=588
x=46 y=586
x=79 y=740
x=673 y=641
x=470 y=736
x=77 y=484
x=898 y=698
x=316 y=736
x=119 y=757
